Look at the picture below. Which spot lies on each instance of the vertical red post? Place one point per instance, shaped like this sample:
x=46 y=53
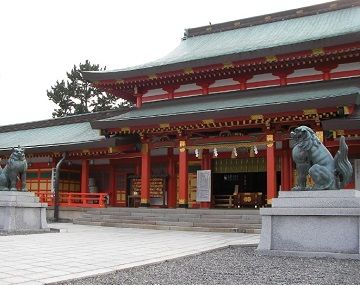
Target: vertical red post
x=138 y=100
x=205 y=165
x=242 y=79
x=270 y=168
x=171 y=193
x=84 y=178
x=285 y=167
x=183 y=175
x=171 y=90
x=112 y=191
x=145 y=175
x=291 y=170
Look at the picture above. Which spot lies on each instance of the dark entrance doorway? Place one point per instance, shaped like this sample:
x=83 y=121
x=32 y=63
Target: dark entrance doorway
x=235 y=190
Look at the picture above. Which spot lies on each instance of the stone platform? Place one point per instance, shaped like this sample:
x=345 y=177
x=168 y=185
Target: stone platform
x=22 y=212
x=312 y=223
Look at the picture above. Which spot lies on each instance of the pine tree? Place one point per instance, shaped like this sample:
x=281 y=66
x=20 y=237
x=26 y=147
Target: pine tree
x=77 y=96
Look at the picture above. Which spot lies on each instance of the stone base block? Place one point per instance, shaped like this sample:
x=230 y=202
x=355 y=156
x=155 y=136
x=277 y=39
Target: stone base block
x=22 y=212
x=312 y=223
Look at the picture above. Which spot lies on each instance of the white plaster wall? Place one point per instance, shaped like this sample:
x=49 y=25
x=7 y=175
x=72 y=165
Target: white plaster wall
x=224 y=82
x=187 y=87
x=263 y=77
x=347 y=66
x=154 y=92
x=304 y=72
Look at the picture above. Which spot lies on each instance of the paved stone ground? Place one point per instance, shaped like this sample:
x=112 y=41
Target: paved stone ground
x=79 y=251
x=234 y=265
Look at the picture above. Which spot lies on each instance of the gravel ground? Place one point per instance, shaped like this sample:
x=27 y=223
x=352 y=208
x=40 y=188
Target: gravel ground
x=234 y=265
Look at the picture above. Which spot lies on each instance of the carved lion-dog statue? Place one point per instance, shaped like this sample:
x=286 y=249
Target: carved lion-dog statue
x=312 y=157
x=14 y=169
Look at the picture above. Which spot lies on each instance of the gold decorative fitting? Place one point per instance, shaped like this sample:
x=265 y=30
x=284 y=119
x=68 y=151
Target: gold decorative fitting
x=228 y=65
x=310 y=112
x=125 y=129
x=144 y=201
x=188 y=70
x=269 y=201
x=182 y=146
x=299 y=12
x=182 y=201
x=318 y=51
x=346 y=110
x=236 y=24
x=270 y=140
x=208 y=121
x=152 y=76
x=271 y=58
x=110 y=150
x=85 y=151
x=340 y=132
x=121 y=81
x=256 y=117
x=165 y=125
x=145 y=148
x=320 y=135
x=267 y=18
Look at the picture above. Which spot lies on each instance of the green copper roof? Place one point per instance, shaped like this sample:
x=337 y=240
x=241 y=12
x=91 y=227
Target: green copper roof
x=49 y=136
x=239 y=103
x=250 y=42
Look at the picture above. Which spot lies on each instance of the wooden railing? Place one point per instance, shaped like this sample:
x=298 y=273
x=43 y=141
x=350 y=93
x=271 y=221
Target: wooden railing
x=70 y=199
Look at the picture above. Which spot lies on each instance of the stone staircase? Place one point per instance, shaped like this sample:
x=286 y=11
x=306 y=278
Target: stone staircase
x=206 y=220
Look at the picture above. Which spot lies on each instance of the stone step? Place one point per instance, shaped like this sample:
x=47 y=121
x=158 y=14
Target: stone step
x=175 y=218
x=174 y=215
x=170 y=223
x=221 y=220
x=177 y=211
x=233 y=220
x=160 y=227
x=225 y=225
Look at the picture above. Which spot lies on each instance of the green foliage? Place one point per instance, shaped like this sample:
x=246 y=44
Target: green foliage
x=77 y=96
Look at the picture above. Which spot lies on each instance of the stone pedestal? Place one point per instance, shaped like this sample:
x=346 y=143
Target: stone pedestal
x=22 y=212
x=312 y=223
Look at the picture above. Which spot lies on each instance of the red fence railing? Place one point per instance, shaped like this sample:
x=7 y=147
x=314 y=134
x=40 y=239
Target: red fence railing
x=70 y=199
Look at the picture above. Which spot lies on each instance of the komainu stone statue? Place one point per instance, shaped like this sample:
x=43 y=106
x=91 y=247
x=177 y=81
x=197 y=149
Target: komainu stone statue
x=313 y=158
x=15 y=168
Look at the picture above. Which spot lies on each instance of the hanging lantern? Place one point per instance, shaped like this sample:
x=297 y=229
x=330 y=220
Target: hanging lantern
x=215 y=152
x=251 y=152
x=197 y=153
x=234 y=153
x=255 y=150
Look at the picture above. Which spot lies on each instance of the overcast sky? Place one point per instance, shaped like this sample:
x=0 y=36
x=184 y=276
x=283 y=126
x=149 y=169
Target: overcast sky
x=42 y=39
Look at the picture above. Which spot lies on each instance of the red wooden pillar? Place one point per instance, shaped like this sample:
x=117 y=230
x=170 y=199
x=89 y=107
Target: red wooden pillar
x=183 y=175
x=326 y=69
x=145 y=175
x=171 y=90
x=205 y=84
x=112 y=192
x=285 y=167
x=205 y=165
x=138 y=100
x=242 y=80
x=270 y=168
x=84 y=187
x=171 y=193
x=283 y=76
x=291 y=169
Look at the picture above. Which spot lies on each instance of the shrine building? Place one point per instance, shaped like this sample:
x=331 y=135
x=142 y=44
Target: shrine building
x=224 y=100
